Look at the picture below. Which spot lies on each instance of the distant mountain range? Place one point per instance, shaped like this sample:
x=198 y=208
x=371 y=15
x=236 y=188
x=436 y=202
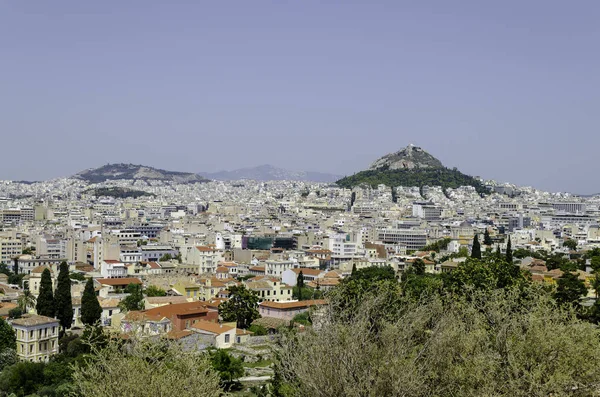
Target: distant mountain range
x=121 y=171
x=270 y=173
x=411 y=166
x=111 y=172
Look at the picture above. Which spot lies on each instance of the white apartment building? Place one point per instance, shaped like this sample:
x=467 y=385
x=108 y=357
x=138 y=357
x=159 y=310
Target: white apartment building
x=113 y=269
x=10 y=247
x=412 y=239
x=426 y=210
x=277 y=267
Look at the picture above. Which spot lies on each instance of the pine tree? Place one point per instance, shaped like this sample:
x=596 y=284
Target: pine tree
x=45 y=300
x=509 y=255
x=476 y=250
x=487 y=240
x=90 y=307
x=62 y=298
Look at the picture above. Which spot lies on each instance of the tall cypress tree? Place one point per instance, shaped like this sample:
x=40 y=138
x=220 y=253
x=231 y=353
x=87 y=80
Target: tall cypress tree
x=509 y=256
x=487 y=239
x=91 y=310
x=300 y=281
x=62 y=298
x=45 y=299
x=498 y=252
x=476 y=250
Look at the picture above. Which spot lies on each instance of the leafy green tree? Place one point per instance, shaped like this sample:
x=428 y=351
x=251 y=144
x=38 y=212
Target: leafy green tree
x=509 y=254
x=135 y=299
x=45 y=300
x=595 y=263
x=8 y=357
x=570 y=244
x=77 y=276
x=476 y=249
x=145 y=368
x=242 y=306
x=153 y=290
x=165 y=257
x=364 y=284
x=596 y=284
x=258 y=330
x=418 y=267
x=422 y=286
x=4 y=269
x=62 y=298
x=91 y=311
x=486 y=343
x=569 y=289
x=487 y=239
x=15 y=313
x=24 y=378
x=8 y=339
x=227 y=366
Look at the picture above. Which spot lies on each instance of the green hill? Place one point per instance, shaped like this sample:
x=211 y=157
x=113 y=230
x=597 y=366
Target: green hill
x=411 y=166
x=444 y=177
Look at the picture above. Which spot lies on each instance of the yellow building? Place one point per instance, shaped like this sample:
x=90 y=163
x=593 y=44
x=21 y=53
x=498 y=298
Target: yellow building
x=37 y=337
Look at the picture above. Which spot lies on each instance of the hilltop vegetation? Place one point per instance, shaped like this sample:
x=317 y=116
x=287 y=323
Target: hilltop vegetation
x=444 y=177
x=112 y=172
x=118 y=192
x=411 y=166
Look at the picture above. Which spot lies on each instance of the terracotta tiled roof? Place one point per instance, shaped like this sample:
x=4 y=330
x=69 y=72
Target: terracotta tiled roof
x=213 y=328
x=293 y=305
x=175 y=335
x=306 y=271
x=179 y=309
x=40 y=269
x=119 y=281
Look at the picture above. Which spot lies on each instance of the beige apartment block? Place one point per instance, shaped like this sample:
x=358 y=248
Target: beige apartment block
x=37 y=337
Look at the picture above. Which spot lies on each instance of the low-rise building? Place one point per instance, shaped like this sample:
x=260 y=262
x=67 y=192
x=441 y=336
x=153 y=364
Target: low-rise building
x=37 y=337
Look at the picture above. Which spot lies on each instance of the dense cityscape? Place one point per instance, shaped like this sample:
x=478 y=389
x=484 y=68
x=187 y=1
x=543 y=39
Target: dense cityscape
x=299 y=199
x=230 y=267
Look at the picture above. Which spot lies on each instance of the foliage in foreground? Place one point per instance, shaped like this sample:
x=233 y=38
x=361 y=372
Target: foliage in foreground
x=485 y=343
x=145 y=368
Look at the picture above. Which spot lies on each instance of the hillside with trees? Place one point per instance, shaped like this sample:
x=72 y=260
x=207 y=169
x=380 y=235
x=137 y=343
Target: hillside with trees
x=444 y=177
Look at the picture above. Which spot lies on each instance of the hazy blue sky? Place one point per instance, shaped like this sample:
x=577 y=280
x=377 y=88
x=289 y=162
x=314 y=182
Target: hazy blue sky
x=508 y=90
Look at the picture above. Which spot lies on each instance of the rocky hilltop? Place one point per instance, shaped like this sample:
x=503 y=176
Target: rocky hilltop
x=111 y=172
x=408 y=158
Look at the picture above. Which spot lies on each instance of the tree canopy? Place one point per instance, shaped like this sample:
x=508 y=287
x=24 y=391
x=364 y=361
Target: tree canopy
x=135 y=299
x=62 y=297
x=476 y=249
x=242 y=306
x=91 y=311
x=45 y=300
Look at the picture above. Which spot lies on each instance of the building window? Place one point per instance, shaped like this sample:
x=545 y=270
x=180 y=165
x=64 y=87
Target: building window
x=226 y=338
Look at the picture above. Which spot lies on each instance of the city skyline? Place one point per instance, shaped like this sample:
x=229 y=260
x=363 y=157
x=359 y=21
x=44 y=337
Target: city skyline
x=498 y=91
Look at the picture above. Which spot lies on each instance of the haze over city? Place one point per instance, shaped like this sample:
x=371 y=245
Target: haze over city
x=505 y=91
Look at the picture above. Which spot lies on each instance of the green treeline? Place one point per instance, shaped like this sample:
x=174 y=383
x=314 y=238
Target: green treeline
x=444 y=177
